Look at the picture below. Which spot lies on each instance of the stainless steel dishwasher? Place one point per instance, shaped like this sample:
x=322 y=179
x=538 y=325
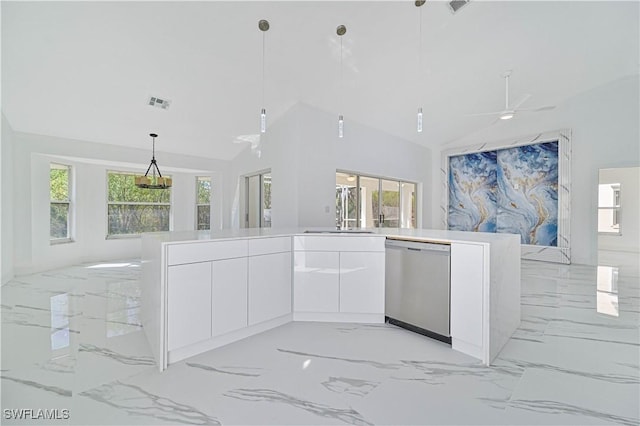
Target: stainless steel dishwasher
x=417 y=288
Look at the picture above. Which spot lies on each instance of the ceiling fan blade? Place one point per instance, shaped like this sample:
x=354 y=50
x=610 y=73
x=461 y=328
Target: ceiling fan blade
x=542 y=108
x=483 y=113
x=524 y=98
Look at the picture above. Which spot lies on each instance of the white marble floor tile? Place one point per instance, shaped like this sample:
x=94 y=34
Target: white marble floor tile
x=559 y=398
x=72 y=339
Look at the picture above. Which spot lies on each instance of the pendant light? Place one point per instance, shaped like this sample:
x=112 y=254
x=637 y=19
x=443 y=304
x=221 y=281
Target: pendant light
x=263 y=25
x=341 y=30
x=155 y=181
x=419 y=4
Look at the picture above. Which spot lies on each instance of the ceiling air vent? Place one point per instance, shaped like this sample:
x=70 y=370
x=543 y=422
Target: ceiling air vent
x=455 y=5
x=159 y=103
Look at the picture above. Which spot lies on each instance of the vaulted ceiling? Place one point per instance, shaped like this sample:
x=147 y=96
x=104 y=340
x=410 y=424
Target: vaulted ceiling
x=84 y=70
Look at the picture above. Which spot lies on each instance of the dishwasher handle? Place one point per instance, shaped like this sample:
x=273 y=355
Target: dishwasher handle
x=418 y=246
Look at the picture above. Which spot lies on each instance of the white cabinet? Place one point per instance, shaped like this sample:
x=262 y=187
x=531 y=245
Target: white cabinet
x=467 y=277
x=188 y=298
x=229 y=295
x=340 y=275
x=362 y=282
x=317 y=281
x=269 y=286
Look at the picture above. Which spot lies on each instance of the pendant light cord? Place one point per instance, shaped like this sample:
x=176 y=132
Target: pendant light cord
x=341 y=80
x=419 y=41
x=263 y=60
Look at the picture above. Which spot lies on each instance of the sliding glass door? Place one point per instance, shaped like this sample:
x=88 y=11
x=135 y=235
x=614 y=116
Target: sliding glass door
x=390 y=204
x=372 y=202
x=346 y=201
x=369 y=202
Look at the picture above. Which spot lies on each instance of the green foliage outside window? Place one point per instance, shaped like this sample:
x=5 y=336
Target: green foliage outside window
x=122 y=188
x=203 y=203
x=133 y=210
x=59 y=183
x=204 y=191
x=59 y=206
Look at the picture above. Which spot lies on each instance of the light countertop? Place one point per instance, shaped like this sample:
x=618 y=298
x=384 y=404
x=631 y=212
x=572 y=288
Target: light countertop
x=427 y=235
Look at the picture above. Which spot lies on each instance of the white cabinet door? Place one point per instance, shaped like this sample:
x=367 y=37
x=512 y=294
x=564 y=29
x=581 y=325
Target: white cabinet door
x=229 y=297
x=316 y=281
x=269 y=286
x=189 y=304
x=362 y=282
x=467 y=272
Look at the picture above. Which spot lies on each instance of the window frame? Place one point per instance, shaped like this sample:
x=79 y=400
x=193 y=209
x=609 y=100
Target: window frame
x=380 y=180
x=616 y=210
x=132 y=203
x=261 y=198
x=69 y=202
x=195 y=220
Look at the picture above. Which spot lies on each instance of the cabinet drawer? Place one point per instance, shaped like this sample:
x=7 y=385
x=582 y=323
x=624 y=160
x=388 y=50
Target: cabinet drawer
x=339 y=243
x=259 y=246
x=204 y=252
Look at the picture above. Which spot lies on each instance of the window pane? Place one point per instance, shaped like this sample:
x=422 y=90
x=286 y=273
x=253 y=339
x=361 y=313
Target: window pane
x=59 y=220
x=253 y=201
x=204 y=218
x=408 y=207
x=390 y=203
x=134 y=219
x=204 y=190
x=266 y=200
x=346 y=201
x=122 y=188
x=369 y=205
x=59 y=182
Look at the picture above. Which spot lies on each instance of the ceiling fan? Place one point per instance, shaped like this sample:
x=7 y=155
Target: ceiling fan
x=510 y=111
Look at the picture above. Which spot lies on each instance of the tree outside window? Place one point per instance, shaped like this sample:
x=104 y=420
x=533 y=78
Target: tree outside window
x=60 y=203
x=132 y=210
x=203 y=203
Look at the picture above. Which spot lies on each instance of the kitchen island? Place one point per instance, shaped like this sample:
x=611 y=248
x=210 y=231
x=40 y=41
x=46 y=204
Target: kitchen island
x=203 y=290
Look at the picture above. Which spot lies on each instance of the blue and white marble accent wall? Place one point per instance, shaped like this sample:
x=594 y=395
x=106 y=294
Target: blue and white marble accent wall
x=528 y=193
x=518 y=187
x=473 y=192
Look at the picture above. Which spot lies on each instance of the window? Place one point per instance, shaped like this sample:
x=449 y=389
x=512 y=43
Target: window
x=366 y=202
x=203 y=203
x=60 y=203
x=258 y=200
x=132 y=210
x=609 y=208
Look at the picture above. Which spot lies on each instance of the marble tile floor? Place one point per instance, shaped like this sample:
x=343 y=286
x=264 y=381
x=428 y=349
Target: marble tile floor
x=72 y=342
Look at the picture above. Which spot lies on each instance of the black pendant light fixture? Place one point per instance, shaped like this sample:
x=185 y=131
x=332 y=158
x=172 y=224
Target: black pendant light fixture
x=155 y=180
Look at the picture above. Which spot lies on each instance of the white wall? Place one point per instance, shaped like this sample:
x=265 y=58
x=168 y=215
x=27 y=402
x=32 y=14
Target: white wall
x=606 y=134
x=303 y=152
x=32 y=156
x=6 y=203
x=629 y=180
